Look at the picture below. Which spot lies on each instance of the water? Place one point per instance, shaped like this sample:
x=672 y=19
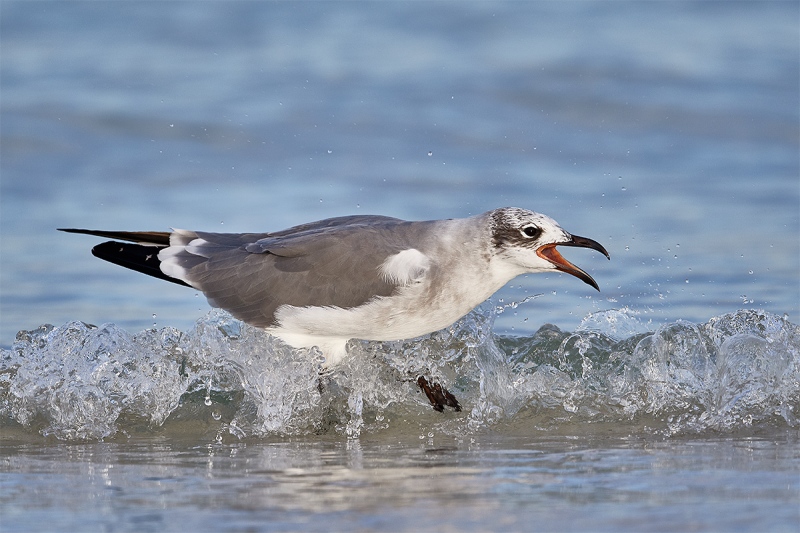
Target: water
x=666 y=131
x=688 y=425
x=736 y=372
x=501 y=484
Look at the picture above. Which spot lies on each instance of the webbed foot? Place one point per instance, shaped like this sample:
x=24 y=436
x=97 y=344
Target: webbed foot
x=438 y=395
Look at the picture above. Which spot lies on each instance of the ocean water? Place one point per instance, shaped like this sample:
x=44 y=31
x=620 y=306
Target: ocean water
x=667 y=131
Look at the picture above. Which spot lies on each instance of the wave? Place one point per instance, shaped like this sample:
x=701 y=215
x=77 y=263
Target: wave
x=224 y=379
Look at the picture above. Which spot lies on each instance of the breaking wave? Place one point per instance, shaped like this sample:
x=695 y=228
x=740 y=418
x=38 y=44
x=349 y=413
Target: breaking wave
x=227 y=380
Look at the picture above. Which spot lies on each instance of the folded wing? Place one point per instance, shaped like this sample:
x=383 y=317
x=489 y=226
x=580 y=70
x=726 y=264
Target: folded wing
x=251 y=275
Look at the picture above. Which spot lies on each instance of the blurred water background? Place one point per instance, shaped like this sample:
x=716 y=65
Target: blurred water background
x=667 y=131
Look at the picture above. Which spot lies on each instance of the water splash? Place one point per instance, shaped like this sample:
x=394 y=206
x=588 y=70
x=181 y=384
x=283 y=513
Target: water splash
x=77 y=381
x=224 y=379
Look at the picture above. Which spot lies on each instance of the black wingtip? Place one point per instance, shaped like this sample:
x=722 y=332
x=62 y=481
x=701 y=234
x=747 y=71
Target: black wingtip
x=138 y=257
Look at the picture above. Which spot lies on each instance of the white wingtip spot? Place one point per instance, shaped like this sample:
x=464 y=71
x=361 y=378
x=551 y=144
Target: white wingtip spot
x=405 y=267
x=170 y=257
x=173 y=269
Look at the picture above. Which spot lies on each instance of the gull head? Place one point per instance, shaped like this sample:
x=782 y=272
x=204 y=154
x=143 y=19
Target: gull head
x=525 y=242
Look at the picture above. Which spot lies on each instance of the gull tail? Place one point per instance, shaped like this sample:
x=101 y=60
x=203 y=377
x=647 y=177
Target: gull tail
x=139 y=252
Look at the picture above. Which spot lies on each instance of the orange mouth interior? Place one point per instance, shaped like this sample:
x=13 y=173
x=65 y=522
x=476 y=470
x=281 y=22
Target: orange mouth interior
x=549 y=252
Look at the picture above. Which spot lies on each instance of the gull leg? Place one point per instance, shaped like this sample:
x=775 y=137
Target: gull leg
x=438 y=395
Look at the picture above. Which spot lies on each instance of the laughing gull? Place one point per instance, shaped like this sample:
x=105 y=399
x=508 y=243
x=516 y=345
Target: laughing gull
x=354 y=277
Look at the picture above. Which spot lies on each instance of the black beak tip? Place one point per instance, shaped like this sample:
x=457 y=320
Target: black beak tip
x=590 y=281
x=583 y=242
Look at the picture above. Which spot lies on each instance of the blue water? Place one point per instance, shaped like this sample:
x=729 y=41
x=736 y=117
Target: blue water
x=667 y=131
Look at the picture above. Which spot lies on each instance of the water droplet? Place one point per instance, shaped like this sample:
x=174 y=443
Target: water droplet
x=430 y=153
x=750 y=272
x=207 y=400
x=330 y=151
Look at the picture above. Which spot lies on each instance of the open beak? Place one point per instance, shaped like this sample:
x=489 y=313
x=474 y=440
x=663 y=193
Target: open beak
x=549 y=252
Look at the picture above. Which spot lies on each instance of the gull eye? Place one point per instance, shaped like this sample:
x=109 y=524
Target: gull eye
x=531 y=231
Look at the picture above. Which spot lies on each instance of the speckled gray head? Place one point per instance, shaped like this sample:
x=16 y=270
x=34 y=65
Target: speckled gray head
x=528 y=240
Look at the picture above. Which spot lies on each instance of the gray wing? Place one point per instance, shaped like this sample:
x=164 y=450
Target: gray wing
x=334 y=262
